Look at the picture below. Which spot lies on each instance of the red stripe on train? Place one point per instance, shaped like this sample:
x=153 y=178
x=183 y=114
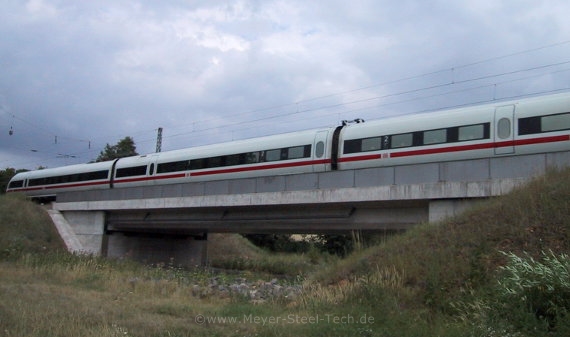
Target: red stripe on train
x=457 y=148
x=263 y=167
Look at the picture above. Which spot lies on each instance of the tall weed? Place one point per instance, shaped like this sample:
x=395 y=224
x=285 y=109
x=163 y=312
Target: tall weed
x=541 y=288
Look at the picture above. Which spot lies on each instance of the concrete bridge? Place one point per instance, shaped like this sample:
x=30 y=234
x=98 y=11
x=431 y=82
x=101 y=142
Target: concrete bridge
x=171 y=222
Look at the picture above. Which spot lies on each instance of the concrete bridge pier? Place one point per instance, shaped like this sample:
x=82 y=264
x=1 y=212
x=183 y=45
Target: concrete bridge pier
x=175 y=250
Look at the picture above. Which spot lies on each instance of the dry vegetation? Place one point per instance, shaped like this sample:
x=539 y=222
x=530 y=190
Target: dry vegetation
x=434 y=280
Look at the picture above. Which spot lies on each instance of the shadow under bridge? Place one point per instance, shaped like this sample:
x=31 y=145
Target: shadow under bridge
x=266 y=219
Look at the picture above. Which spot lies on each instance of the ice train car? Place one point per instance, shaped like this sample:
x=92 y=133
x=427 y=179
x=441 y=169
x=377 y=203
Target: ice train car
x=525 y=126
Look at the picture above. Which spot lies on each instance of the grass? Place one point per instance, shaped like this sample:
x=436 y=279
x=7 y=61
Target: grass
x=232 y=251
x=25 y=227
x=437 y=279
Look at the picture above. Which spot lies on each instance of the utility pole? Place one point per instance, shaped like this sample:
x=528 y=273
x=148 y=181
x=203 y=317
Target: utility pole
x=159 y=140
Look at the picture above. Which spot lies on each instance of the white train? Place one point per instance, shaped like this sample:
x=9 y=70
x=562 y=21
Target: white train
x=531 y=125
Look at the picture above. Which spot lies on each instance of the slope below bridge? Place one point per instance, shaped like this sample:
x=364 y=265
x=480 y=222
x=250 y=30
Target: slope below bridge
x=171 y=222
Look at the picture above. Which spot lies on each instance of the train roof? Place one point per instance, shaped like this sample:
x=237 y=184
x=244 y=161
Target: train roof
x=464 y=114
x=64 y=170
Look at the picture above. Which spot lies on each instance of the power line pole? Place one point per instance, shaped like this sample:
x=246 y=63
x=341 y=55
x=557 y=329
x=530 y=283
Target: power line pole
x=159 y=140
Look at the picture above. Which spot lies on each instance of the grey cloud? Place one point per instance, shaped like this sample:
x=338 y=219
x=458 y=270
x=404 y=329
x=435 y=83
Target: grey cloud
x=209 y=71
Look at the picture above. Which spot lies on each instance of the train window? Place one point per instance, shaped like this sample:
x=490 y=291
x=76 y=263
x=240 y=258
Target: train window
x=555 y=122
x=273 y=155
x=385 y=142
x=175 y=166
x=320 y=149
x=98 y=175
x=131 y=171
x=418 y=138
x=214 y=162
x=197 y=164
x=34 y=182
x=16 y=184
x=538 y=124
x=252 y=157
x=471 y=132
x=371 y=144
x=352 y=146
x=70 y=178
x=151 y=170
x=296 y=152
x=435 y=136
x=504 y=128
x=402 y=140
x=231 y=160
x=529 y=125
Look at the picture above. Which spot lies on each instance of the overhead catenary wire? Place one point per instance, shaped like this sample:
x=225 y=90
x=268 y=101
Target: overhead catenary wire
x=303 y=107
x=297 y=111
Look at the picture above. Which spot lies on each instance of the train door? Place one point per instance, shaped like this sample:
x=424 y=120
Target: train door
x=504 y=129
x=152 y=167
x=320 y=151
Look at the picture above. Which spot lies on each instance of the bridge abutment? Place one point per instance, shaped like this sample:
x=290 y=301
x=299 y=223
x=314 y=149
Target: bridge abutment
x=84 y=232
x=441 y=209
x=89 y=228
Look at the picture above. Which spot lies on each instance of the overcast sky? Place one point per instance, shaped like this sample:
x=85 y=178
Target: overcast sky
x=76 y=75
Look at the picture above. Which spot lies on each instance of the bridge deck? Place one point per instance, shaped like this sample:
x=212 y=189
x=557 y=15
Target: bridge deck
x=378 y=198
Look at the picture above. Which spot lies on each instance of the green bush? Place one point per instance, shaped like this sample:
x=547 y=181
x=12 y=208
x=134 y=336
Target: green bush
x=540 y=288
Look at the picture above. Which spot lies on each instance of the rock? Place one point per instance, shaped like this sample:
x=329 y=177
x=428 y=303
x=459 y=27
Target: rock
x=257 y=292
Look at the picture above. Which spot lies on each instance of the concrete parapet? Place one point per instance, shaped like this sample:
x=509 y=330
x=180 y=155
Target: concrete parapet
x=384 y=193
